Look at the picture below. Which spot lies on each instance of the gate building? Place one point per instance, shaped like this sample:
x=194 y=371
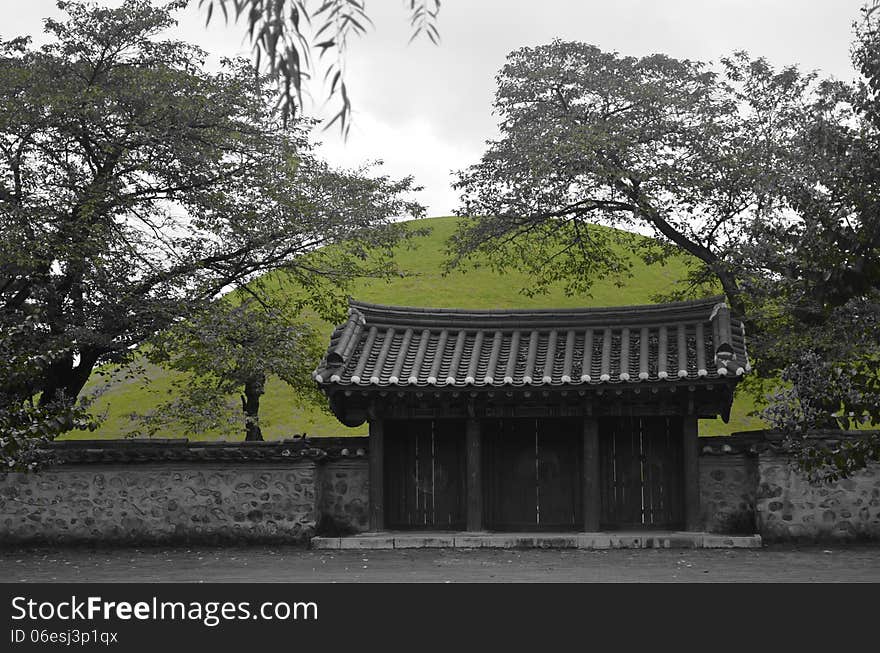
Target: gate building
x=534 y=420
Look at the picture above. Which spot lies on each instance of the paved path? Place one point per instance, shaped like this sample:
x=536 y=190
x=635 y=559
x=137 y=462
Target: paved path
x=293 y=564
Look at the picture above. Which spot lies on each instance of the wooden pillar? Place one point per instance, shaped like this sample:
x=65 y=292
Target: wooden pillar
x=474 y=445
x=591 y=485
x=377 y=475
x=691 y=474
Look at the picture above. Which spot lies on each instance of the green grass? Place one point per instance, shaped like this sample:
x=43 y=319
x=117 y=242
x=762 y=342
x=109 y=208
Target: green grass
x=426 y=286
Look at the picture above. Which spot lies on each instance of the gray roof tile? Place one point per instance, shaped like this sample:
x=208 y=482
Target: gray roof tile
x=405 y=346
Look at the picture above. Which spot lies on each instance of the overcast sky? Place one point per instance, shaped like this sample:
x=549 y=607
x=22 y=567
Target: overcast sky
x=425 y=110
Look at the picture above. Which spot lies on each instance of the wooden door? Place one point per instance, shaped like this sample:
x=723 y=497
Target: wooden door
x=532 y=477
x=424 y=474
x=641 y=473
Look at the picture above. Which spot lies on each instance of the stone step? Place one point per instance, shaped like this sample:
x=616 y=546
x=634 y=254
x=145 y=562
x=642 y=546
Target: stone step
x=460 y=540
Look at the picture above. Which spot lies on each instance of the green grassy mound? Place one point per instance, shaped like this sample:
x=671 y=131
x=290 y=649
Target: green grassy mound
x=426 y=286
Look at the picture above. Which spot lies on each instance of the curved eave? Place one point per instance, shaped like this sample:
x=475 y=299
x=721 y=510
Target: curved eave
x=735 y=375
x=536 y=383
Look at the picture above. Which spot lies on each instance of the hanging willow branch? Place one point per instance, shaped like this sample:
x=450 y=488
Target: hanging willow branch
x=286 y=34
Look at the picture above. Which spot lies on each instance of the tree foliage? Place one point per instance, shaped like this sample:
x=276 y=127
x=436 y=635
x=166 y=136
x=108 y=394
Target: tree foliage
x=815 y=280
x=135 y=187
x=656 y=144
x=231 y=349
x=296 y=38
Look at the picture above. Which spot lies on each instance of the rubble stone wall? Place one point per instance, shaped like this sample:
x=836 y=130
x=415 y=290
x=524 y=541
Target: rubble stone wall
x=160 y=503
x=789 y=507
x=749 y=481
x=115 y=492
x=728 y=489
x=345 y=497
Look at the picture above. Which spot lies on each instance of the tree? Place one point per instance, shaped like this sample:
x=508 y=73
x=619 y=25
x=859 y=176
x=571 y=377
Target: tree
x=280 y=36
x=659 y=144
x=230 y=349
x=135 y=187
x=815 y=280
x=768 y=179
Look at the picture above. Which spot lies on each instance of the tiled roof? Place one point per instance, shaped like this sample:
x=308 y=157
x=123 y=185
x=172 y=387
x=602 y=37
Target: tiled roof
x=418 y=347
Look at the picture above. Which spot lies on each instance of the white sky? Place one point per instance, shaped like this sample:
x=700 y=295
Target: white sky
x=425 y=110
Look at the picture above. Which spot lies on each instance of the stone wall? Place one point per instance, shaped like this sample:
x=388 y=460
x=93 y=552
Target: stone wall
x=129 y=491
x=748 y=480
x=789 y=507
x=345 y=497
x=160 y=503
x=728 y=490
x=175 y=491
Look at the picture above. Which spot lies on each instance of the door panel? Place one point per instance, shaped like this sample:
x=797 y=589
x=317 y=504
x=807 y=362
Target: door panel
x=641 y=472
x=509 y=474
x=560 y=454
x=532 y=474
x=424 y=474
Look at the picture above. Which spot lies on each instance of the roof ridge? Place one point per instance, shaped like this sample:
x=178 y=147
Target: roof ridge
x=627 y=308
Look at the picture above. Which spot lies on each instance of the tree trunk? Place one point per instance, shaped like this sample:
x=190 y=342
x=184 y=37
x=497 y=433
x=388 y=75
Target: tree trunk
x=725 y=277
x=64 y=380
x=732 y=292
x=250 y=403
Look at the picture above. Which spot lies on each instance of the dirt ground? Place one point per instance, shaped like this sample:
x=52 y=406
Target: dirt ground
x=295 y=564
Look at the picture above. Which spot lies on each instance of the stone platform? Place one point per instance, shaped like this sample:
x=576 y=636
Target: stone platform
x=462 y=540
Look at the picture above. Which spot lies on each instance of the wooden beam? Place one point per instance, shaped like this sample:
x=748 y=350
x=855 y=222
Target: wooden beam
x=377 y=475
x=474 y=445
x=691 y=474
x=591 y=484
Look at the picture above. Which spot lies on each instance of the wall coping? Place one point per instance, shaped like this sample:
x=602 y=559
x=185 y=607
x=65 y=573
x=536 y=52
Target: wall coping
x=171 y=450
x=763 y=440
